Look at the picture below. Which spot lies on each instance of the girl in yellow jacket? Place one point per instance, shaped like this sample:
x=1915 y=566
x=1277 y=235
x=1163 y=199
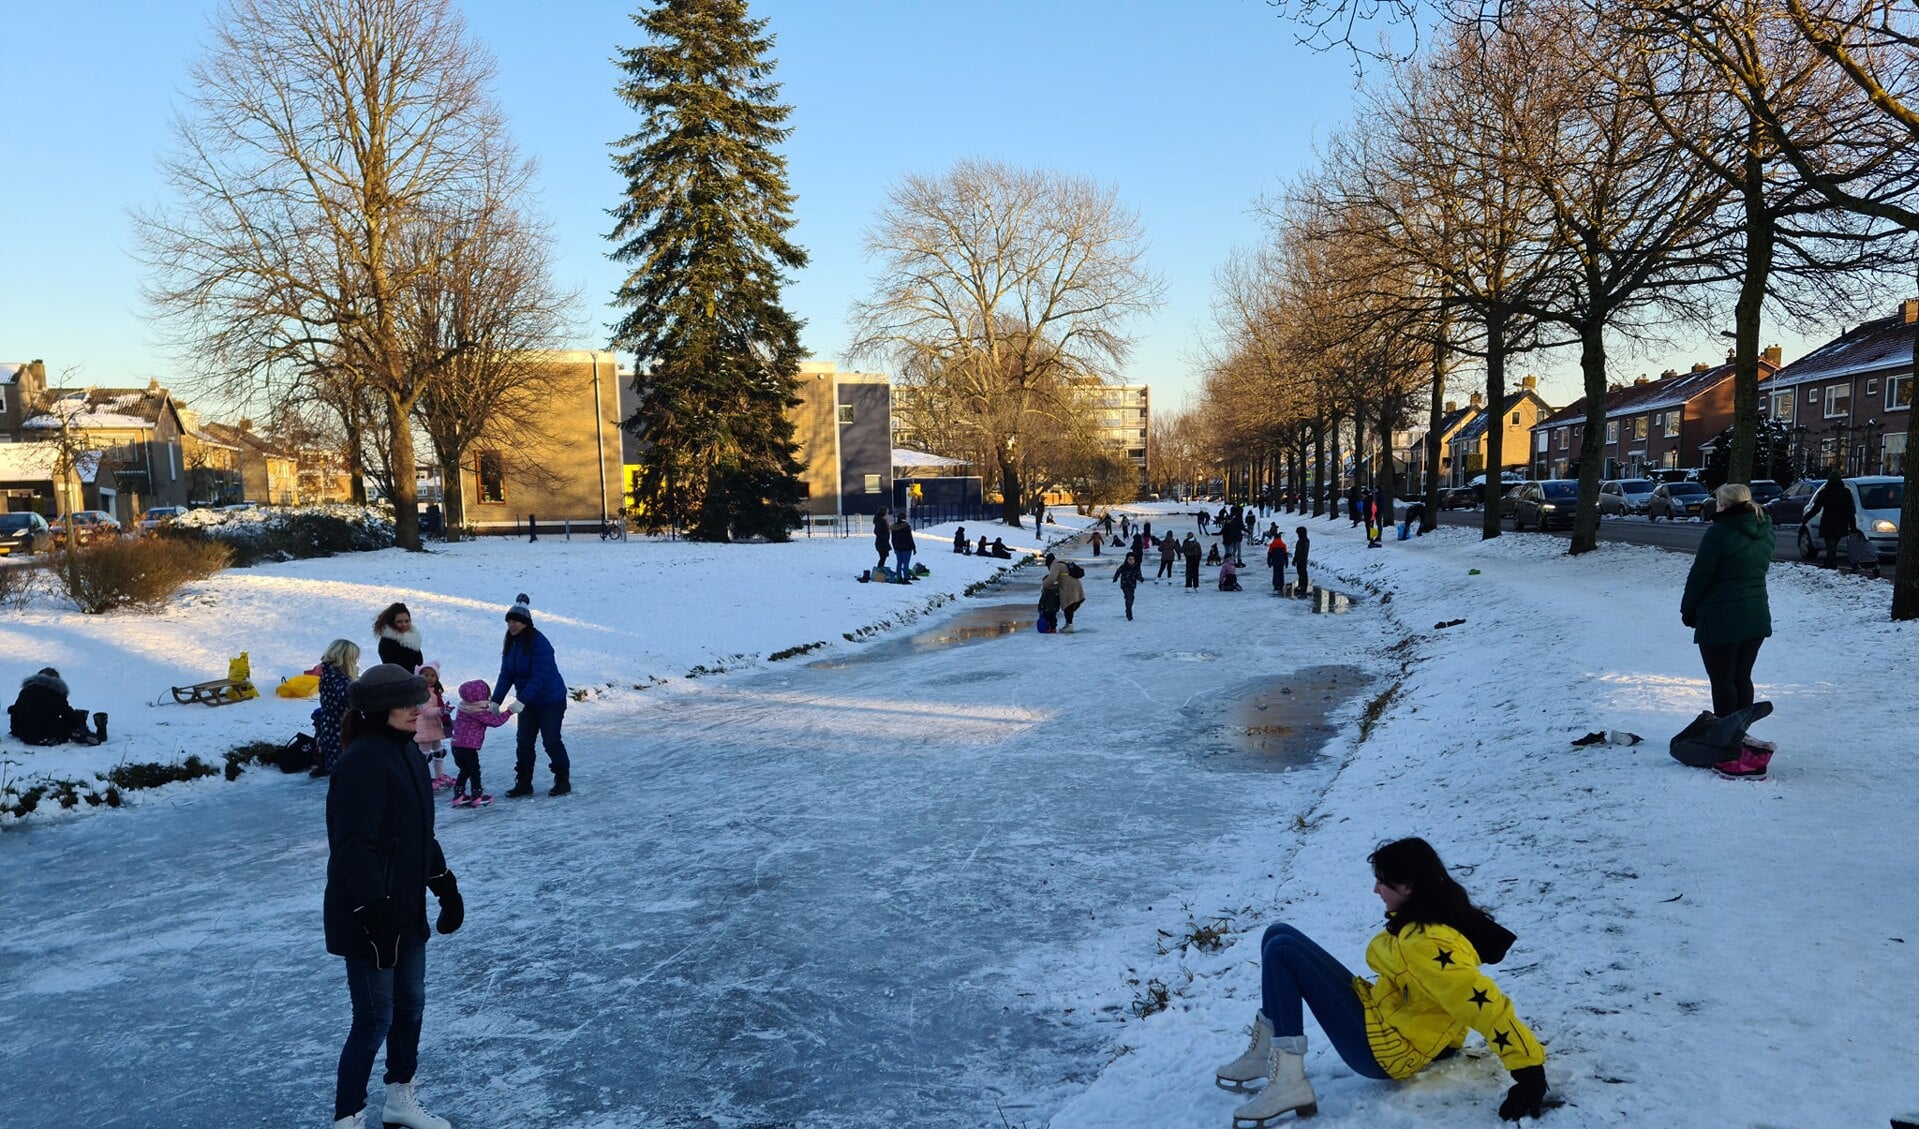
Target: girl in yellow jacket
x=1430 y=991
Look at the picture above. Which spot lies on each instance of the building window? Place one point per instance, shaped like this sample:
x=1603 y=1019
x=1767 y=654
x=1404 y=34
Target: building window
x=1812 y=395
x=1612 y=431
x=1898 y=392
x=1543 y=439
x=1782 y=405
x=846 y=413
x=491 y=472
x=1136 y=453
x=1639 y=427
x=1672 y=424
x=1515 y=419
x=1872 y=387
x=1892 y=455
x=1838 y=399
x=873 y=484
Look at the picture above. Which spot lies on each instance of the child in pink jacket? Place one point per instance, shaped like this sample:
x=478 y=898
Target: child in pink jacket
x=476 y=714
x=430 y=732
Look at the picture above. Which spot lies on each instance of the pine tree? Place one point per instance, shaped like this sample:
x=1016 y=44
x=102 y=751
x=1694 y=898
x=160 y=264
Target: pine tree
x=704 y=225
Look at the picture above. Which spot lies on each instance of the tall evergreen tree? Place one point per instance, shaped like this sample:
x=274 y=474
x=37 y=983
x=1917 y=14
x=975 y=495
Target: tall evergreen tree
x=704 y=224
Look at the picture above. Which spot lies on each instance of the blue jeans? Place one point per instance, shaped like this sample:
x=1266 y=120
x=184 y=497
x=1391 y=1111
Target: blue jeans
x=387 y=1008
x=903 y=562
x=1293 y=970
x=543 y=721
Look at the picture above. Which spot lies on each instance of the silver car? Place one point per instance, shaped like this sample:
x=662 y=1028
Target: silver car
x=1620 y=496
x=1876 y=499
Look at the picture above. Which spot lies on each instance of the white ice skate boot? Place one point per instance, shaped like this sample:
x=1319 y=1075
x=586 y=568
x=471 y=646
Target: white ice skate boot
x=357 y=1121
x=1251 y=1066
x=403 y=1109
x=1287 y=1090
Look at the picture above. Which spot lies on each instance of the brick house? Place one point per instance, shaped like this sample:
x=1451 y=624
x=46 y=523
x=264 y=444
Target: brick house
x=1650 y=424
x=1846 y=403
x=1466 y=448
x=266 y=471
x=569 y=471
x=1410 y=445
x=137 y=431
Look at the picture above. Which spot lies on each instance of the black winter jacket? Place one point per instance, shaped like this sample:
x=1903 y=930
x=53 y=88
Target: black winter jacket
x=41 y=715
x=902 y=537
x=402 y=649
x=379 y=826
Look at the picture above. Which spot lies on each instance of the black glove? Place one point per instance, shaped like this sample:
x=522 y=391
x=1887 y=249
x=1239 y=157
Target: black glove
x=452 y=906
x=1528 y=1090
x=382 y=930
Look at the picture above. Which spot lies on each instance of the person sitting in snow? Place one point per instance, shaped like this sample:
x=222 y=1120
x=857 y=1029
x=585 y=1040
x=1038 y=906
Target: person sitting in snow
x=1228 y=576
x=984 y=550
x=1212 y=554
x=41 y=714
x=1001 y=551
x=960 y=544
x=1430 y=991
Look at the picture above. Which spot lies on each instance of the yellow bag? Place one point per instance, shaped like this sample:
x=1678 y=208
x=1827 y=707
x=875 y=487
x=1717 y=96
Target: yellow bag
x=240 y=673
x=299 y=686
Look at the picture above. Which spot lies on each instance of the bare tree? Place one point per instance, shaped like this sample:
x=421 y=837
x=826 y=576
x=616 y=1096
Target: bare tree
x=1005 y=285
x=319 y=134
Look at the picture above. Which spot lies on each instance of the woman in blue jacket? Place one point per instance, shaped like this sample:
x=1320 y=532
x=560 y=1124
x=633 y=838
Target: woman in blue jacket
x=526 y=665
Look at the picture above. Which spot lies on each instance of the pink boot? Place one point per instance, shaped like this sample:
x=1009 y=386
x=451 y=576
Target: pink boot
x=1746 y=767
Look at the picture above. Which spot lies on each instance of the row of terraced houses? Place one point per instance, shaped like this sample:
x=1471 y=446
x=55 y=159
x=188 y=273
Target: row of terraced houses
x=1842 y=406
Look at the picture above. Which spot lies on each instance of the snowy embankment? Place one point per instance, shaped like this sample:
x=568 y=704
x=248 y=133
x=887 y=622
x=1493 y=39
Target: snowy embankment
x=625 y=616
x=1694 y=951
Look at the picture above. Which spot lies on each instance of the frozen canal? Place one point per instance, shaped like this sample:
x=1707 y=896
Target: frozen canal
x=856 y=893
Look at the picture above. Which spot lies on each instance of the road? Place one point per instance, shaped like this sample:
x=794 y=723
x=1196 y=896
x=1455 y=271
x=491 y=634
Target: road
x=896 y=886
x=1680 y=537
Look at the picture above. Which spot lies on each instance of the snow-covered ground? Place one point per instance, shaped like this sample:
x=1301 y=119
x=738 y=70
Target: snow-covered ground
x=919 y=878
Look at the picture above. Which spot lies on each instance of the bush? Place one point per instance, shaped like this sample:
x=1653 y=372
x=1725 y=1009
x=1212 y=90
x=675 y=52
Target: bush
x=152 y=774
x=141 y=573
x=287 y=534
x=16 y=580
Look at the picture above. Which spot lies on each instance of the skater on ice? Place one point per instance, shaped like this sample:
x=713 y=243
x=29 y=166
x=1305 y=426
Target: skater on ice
x=1127 y=577
x=476 y=714
x=339 y=666
x=527 y=666
x=1429 y=993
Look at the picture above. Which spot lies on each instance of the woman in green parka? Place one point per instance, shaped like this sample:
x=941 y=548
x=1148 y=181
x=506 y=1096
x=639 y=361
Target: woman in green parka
x=1725 y=601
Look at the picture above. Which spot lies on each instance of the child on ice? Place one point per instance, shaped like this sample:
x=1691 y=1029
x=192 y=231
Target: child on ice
x=471 y=720
x=430 y=735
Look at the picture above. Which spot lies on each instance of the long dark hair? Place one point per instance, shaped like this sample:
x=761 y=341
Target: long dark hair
x=1436 y=899
x=524 y=639
x=387 y=617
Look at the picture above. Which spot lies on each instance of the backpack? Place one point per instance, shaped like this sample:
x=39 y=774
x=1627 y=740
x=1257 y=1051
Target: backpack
x=1073 y=570
x=1045 y=624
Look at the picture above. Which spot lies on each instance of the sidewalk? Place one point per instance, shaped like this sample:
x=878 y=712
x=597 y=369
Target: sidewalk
x=1694 y=951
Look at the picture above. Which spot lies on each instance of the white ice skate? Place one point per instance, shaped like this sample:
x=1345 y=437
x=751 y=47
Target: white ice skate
x=1251 y=1066
x=357 y=1121
x=403 y=1109
x=1287 y=1090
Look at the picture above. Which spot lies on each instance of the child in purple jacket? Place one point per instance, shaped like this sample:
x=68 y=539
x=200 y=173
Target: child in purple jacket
x=475 y=715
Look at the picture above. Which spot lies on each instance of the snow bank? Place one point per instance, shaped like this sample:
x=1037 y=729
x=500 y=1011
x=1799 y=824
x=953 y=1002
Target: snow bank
x=1694 y=951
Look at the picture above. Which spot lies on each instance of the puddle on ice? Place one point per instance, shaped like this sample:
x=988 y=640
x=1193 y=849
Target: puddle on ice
x=969 y=626
x=1175 y=656
x=1278 y=723
x=1320 y=601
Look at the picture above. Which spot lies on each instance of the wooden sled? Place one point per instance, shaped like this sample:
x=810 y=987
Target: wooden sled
x=216 y=693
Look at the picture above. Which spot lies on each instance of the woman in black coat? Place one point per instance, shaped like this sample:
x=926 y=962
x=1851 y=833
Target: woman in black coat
x=399 y=641
x=1832 y=505
x=382 y=859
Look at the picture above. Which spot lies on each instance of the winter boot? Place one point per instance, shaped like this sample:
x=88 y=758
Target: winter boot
x=482 y=800
x=1251 y=1066
x=100 y=727
x=357 y=1121
x=461 y=801
x=1287 y=1090
x=1760 y=751
x=403 y=1109
x=562 y=786
x=522 y=787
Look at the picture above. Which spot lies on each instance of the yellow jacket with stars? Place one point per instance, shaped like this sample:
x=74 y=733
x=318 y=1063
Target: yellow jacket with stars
x=1429 y=991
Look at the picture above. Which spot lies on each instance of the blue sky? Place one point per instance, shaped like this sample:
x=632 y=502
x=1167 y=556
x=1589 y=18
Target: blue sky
x=1189 y=110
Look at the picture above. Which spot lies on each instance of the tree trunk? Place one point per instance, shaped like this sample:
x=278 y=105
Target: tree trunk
x=1388 y=482
x=355 y=458
x=1336 y=471
x=1010 y=509
x=1496 y=421
x=405 y=491
x=1592 y=365
x=1318 y=485
x=1746 y=315
x=1435 y=414
x=1905 y=576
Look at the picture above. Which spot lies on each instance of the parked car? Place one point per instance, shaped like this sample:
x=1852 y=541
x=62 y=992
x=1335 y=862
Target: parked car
x=1876 y=499
x=1459 y=498
x=1546 y=503
x=24 y=533
x=159 y=517
x=1507 y=500
x=1621 y=496
x=88 y=526
x=1763 y=490
x=1789 y=507
x=1674 y=500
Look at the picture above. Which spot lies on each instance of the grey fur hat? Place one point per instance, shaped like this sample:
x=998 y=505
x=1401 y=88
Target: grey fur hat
x=388 y=686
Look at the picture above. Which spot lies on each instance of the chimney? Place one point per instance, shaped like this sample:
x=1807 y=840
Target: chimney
x=1702 y=366
x=246 y=425
x=1529 y=382
x=1642 y=378
x=1452 y=405
x=1477 y=400
x=1909 y=310
x=153 y=386
x=1669 y=374
x=1732 y=355
x=1774 y=354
